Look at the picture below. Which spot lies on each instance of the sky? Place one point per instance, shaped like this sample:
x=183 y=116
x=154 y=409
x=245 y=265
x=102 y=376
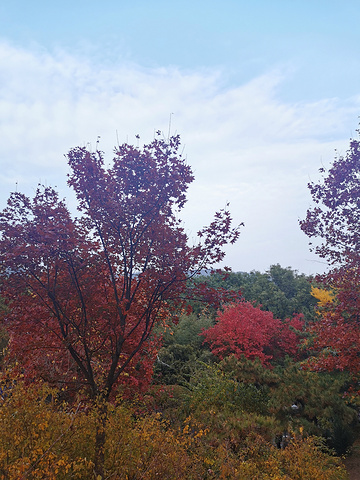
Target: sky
x=263 y=94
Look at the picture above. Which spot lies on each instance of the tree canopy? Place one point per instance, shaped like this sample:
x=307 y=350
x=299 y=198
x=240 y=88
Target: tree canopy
x=84 y=293
x=245 y=330
x=334 y=224
x=88 y=290
x=335 y=218
x=280 y=290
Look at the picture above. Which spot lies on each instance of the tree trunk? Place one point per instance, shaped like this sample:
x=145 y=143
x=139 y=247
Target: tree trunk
x=100 y=438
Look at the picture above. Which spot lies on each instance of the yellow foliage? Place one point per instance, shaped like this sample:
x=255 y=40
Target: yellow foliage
x=36 y=437
x=323 y=296
x=301 y=460
x=42 y=439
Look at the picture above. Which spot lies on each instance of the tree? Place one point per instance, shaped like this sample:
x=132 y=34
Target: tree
x=86 y=292
x=336 y=331
x=335 y=220
x=245 y=330
x=336 y=216
x=300 y=400
x=279 y=290
x=182 y=350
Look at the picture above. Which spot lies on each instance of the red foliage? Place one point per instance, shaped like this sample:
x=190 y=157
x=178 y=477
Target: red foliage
x=336 y=334
x=85 y=293
x=243 y=329
x=336 y=220
x=214 y=297
x=288 y=338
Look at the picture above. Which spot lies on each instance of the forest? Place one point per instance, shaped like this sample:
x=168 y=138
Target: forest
x=127 y=354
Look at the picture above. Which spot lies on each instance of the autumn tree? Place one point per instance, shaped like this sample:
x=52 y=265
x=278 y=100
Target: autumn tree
x=335 y=333
x=335 y=218
x=334 y=224
x=243 y=329
x=84 y=293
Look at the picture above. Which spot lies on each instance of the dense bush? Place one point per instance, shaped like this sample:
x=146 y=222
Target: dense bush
x=44 y=439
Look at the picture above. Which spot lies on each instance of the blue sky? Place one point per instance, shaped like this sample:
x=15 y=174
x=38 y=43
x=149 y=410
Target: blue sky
x=262 y=93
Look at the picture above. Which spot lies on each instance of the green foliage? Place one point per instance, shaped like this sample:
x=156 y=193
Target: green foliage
x=183 y=348
x=314 y=401
x=282 y=291
x=243 y=392
x=188 y=331
x=302 y=400
x=175 y=364
x=4 y=340
x=231 y=410
x=249 y=371
x=212 y=388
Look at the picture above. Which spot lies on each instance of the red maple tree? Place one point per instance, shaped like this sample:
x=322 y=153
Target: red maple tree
x=84 y=293
x=335 y=220
x=243 y=329
x=336 y=331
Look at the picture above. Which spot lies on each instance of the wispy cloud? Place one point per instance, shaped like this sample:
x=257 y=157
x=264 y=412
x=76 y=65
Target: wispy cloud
x=245 y=144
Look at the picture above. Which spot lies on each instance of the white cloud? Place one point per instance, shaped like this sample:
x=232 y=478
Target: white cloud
x=245 y=145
